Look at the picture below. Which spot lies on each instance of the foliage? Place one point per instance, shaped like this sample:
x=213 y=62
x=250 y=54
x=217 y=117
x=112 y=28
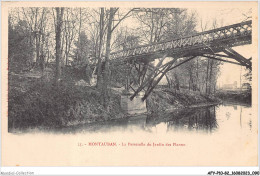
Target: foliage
x=125 y=39
x=159 y=24
x=82 y=51
x=20 y=49
x=198 y=74
x=45 y=105
x=244 y=96
x=248 y=75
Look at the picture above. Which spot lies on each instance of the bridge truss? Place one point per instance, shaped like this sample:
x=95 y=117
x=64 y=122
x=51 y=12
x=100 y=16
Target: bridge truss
x=214 y=44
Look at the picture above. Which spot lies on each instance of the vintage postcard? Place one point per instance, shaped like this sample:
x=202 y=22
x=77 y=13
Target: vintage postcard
x=129 y=84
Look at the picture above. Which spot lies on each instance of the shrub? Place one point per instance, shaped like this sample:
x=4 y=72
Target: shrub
x=49 y=106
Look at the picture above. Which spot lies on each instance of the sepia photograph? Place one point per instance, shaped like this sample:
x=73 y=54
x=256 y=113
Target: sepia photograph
x=130 y=84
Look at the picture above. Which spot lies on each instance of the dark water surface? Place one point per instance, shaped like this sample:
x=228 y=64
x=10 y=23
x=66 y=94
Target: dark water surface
x=207 y=120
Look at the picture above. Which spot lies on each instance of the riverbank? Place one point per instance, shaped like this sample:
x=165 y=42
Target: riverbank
x=170 y=100
x=36 y=103
x=235 y=96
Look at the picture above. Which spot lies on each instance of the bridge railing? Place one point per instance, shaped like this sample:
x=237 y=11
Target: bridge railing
x=226 y=32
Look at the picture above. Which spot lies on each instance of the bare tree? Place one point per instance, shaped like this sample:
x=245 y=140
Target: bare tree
x=101 y=34
x=58 y=27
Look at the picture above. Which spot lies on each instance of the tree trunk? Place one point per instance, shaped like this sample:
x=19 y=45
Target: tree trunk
x=78 y=53
x=66 y=40
x=101 y=28
x=36 y=37
x=106 y=62
x=210 y=76
x=177 y=82
x=197 y=76
x=168 y=80
x=151 y=37
x=207 y=77
x=59 y=12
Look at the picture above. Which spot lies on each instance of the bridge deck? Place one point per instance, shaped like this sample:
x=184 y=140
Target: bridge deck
x=211 y=41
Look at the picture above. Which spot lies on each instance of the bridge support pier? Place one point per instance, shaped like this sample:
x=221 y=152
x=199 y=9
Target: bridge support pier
x=135 y=106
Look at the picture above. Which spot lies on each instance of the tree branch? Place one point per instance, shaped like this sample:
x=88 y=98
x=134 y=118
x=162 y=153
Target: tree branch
x=120 y=20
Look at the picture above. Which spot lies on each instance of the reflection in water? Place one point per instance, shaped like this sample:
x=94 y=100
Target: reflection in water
x=199 y=119
x=213 y=119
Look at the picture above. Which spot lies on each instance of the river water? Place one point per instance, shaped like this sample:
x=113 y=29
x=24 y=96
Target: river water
x=222 y=135
x=206 y=120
